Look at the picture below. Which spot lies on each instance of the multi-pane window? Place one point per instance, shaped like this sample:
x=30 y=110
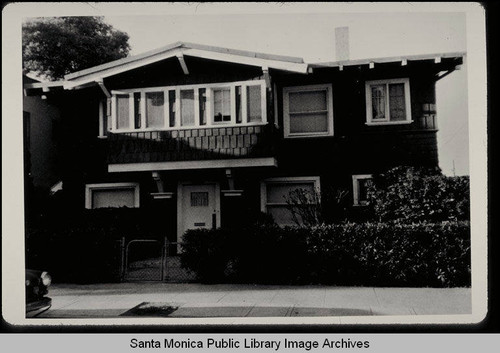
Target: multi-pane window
x=308 y=111
x=388 y=101
x=279 y=194
x=360 y=184
x=164 y=108
x=199 y=199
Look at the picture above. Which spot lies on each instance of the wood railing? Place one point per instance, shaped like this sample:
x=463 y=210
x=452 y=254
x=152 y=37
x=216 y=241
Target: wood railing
x=192 y=144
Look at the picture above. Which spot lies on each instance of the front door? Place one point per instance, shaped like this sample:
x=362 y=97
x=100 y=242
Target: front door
x=199 y=207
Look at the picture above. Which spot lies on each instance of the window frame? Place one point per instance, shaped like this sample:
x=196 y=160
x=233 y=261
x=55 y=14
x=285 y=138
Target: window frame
x=89 y=188
x=387 y=82
x=285 y=180
x=286 y=113
x=355 y=188
x=209 y=106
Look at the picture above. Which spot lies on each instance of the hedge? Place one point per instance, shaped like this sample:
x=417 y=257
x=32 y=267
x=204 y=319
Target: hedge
x=365 y=254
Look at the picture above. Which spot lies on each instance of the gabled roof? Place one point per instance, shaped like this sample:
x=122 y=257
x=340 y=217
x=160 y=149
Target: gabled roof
x=180 y=49
x=94 y=75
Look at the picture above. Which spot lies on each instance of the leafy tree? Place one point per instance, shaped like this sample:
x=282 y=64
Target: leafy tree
x=56 y=46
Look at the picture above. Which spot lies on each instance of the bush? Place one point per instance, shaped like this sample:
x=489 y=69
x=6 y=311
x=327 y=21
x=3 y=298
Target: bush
x=375 y=254
x=419 y=195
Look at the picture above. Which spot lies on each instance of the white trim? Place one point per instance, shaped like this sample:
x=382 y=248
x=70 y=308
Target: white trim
x=402 y=122
x=205 y=164
x=185 y=87
x=196 y=107
x=184 y=67
x=162 y=195
x=232 y=104
x=142 y=108
x=244 y=104
x=281 y=65
x=286 y=113
x=284 y=180
x=166 y=109
x=100 y=82
x=355 y=188
x=131 y=110
x=177 y=108
x=275 y=104
x=231 y=193
x=101 y=120
x=127 y=131
x=114 y=120
x=226 y=57
x=387 y=120
x=209 y=106
x=263 y=101
x=119 y=69
x=89 y=188
x=180 y=211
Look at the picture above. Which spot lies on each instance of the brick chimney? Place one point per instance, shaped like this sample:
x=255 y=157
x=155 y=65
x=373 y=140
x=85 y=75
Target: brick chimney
x=342 y=43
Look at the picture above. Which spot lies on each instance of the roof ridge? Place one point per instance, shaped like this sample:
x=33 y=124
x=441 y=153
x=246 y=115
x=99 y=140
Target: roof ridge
x=187 y=45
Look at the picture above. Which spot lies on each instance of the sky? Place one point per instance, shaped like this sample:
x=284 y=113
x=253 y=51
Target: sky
x=311 y=36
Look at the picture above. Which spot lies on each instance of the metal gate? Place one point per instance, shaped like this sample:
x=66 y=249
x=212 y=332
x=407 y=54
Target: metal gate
x=144 y=259
x=152 y=260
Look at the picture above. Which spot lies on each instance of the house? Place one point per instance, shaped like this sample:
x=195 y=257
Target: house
x=41 y=120
x=207 y=136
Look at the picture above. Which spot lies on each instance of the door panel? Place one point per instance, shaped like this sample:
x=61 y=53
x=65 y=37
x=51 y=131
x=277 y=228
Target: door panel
x=198 y=207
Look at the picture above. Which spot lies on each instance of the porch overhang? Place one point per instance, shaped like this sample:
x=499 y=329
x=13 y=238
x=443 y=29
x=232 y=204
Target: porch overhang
x=185 y=165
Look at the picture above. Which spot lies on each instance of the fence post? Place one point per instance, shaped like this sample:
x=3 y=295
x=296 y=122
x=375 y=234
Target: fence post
x=122 y=264
x=165 y=259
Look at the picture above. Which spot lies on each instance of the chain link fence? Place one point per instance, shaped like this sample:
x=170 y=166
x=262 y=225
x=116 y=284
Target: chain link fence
x=152 y=260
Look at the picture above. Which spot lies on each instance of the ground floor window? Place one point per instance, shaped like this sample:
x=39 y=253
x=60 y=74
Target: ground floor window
x=112 y=195
x=360 y=183
x=277 y=193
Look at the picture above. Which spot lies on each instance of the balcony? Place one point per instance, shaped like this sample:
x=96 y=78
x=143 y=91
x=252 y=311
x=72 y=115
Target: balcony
x=196 y=144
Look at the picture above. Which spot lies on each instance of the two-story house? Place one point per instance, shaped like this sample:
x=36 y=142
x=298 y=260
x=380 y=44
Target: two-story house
x=207 y=136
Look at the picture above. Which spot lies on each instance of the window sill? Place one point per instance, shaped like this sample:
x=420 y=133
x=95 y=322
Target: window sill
x=406 y=122
x=309 y=135
x=216 y=126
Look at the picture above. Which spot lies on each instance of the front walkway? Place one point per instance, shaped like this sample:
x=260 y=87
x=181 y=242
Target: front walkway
x=229 y=300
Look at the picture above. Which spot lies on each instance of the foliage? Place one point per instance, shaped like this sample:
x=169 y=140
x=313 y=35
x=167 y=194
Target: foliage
x=375 y=254
x=310 y=208
x=305 y=206
x=56 y=46
x=418 y=194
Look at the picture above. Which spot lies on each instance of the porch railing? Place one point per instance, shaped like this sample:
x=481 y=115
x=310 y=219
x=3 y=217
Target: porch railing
x=193 y=144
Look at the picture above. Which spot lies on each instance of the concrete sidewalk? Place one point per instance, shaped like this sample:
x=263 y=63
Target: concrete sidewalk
x=229 y=300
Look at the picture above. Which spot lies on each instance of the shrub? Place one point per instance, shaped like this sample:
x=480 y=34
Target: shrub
x=311 y=208
x=378 y=254
x=419 y=195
